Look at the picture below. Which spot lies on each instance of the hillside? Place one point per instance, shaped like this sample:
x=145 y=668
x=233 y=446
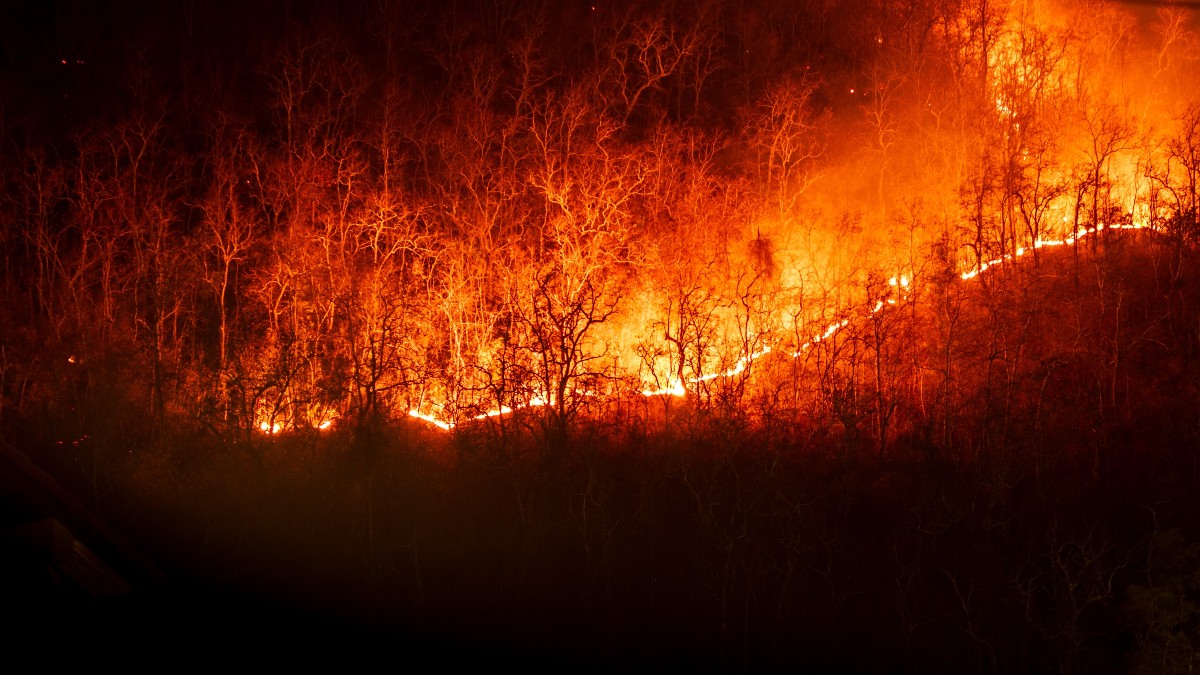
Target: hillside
x=1034 y=518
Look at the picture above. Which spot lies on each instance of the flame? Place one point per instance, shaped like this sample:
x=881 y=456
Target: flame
x=1080 y=234
x=673 y=388
x=901 y=286
x=447 y=425
x=1009 y=73
x=435 y=421
x=273 y=421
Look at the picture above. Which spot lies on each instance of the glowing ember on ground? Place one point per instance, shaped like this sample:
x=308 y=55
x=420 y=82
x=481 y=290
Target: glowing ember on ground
x=278 y=423
x=431 y=419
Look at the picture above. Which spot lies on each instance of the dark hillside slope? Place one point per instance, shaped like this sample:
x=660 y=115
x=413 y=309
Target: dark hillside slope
x=1034 y=511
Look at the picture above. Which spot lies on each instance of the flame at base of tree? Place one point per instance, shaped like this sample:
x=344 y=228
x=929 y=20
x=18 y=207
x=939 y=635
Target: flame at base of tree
x=272 y=420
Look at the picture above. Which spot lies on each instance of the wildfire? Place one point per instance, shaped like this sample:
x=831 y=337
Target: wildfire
x=1045 y=243
x=276 y=421
x=901 y=285
x=676 y=388
x=441 y=424
x=447 y=425
x=1023 y=91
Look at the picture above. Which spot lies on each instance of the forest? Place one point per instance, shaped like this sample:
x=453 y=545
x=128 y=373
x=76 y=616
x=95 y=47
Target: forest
x=734 y=335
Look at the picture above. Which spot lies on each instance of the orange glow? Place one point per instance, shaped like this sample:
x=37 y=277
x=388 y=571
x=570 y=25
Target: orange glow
x=902 y=284
x=439 y=423
x=291 y=418
x=1017 y=148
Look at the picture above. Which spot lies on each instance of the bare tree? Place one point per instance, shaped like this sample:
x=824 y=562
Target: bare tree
x=785 y=136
